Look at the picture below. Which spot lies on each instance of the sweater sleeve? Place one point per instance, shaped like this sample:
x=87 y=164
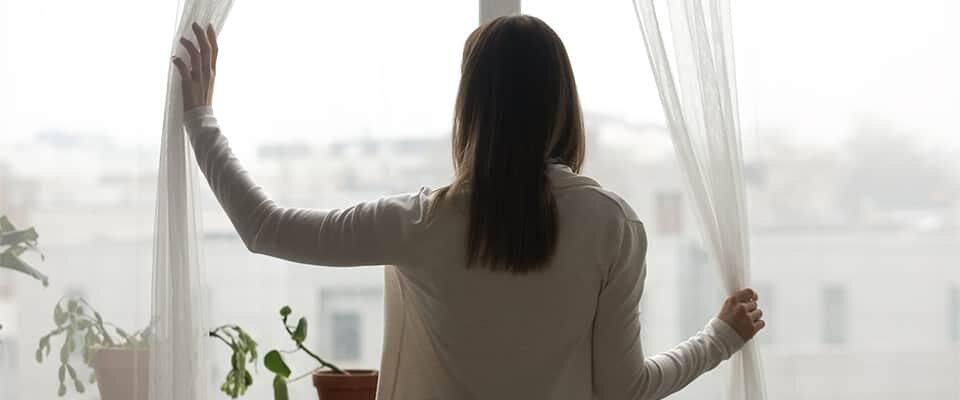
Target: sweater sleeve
x=369 y=233
x=621 y=371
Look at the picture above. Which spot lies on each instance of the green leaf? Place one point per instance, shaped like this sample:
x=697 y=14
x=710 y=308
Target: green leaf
x=5 y=224
x=249 y=343
x=11 y=261
x=79 y=386
x=59 y=317
x=300 y=334
x=93 y=377
x=64 y=354
x=15 y=237
x=237 y=359
x=62 y=390
x=72 y=305
x=69 y=343
x=247 y=379
x=62 y=372
x=72 y=372
x=274 y=362
x=280 y=389
x=44 y=343
x=123 y=334
x=285 y=311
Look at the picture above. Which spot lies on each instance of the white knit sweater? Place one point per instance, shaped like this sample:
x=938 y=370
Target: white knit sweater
x=571 y=331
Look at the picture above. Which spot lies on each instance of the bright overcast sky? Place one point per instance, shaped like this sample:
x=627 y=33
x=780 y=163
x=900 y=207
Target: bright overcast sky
x=307 y=68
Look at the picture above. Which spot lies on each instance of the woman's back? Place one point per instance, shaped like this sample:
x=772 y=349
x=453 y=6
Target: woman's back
x=567 y=331
x=493 y=334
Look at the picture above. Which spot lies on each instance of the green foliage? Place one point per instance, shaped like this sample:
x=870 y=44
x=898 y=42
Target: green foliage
x=300 y=334
x=280 y=388
x=76 y=320
x=13 y=243
x=244 y=350
x=275 y=363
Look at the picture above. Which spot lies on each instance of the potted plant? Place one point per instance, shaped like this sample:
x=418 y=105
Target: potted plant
x=331 y=382
x=243 y=349
x=119 y=360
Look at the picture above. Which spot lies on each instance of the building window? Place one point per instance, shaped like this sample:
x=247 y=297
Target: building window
x=953 y=314
x=696 y=290
x=834 y=314
x=669 y=212
x=346 y=335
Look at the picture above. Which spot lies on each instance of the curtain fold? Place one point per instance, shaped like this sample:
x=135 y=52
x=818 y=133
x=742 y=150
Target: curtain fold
x=696 y=79
x=177 y=361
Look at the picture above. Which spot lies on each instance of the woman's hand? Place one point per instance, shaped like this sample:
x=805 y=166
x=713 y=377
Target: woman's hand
x=197 y=78
x=741 y=312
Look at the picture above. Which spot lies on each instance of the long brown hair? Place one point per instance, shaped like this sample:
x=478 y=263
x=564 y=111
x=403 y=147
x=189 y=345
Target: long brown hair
x=517 y=110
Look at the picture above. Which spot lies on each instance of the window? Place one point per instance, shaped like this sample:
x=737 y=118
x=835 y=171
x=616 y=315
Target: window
x=346 y=335
x=79 y=151
x=670 y=212
x=834 y=314
x=696 y=294
x=849 y=141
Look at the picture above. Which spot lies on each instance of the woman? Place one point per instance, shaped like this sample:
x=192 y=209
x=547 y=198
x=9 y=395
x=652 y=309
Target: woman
x=521 y=279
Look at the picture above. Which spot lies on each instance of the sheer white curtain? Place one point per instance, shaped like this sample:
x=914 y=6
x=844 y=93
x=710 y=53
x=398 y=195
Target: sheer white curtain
x=177 y=353
x=697 y=85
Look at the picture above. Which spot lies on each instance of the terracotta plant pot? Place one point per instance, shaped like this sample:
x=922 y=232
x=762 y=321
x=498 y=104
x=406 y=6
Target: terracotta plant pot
x=359 y=385
x=122 y=374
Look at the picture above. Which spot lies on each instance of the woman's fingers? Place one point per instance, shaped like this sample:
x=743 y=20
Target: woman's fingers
x=186 y=83
x=195 y=62
x=214 y=48
x=755 y=315
x=759 y=324
x=745 y=295
x=204 y=59
x=212 y=42
x=199 y=74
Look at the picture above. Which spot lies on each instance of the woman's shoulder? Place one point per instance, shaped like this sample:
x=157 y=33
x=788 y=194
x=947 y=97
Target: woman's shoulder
x=591 y=197
x=608 y=202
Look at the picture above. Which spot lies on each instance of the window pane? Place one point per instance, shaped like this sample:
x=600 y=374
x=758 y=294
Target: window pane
x=834 y=314
x=346 y=336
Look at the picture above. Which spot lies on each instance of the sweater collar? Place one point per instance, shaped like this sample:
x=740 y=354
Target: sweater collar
x=562 y=176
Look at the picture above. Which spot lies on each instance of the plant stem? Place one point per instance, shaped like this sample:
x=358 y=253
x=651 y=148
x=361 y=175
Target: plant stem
x=103 y=329
x=320 y=360
x=303 y=375
x=316 y=357
x=217 y=335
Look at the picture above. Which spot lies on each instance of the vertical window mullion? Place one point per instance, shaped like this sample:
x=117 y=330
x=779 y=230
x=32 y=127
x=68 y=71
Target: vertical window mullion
x=490 y=9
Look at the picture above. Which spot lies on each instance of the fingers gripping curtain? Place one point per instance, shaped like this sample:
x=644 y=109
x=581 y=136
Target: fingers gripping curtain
x=177 y=358
x=703 y=119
